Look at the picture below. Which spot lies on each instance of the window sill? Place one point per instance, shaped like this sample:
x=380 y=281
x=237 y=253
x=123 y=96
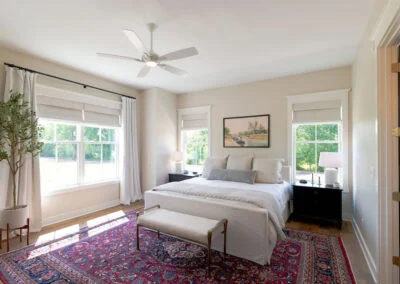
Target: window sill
x=81 y=187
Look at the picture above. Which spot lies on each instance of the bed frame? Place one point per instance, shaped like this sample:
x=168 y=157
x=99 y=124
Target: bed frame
x=250 y=234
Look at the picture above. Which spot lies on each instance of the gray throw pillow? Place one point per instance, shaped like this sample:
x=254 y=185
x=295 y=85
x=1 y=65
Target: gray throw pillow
x=232 y=175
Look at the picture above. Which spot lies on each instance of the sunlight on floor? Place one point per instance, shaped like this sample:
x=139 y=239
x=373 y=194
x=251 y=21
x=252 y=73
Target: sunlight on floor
x=105 y=218
x=52 y=236
x=59 y=238
x=105 y=227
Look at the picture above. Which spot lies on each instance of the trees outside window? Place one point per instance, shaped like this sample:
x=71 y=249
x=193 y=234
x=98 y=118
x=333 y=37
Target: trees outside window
x=75 y=154
x=311 y=140
x=195 y=148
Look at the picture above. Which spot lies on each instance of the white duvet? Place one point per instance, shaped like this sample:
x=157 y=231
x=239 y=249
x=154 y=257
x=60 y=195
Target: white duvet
x=271 y=197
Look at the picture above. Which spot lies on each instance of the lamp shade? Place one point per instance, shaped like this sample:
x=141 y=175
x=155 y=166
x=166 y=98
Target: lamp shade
x=178 y=156
x=330 y=160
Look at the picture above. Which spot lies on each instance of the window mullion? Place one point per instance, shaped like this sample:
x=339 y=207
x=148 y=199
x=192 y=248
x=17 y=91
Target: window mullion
x=315 y=149
x=81 y=155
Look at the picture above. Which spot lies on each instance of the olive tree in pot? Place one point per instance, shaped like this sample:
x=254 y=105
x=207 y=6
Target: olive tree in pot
x=19 y=135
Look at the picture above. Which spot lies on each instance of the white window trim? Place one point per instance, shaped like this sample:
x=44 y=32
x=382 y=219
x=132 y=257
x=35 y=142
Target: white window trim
x=343 y=96
x=194 y=110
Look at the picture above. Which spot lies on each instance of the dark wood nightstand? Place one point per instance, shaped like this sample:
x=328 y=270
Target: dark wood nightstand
x=322 y=203
x=180 y=177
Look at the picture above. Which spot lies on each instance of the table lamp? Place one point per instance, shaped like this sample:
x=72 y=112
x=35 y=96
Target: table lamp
x=331 y=161
x=178 y=158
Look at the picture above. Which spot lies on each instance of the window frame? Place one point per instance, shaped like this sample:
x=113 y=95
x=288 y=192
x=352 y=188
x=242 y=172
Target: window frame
x=184 y=144
x=341 y=95
x=339 y=141
x=81 y=184
x=193 y=111
x=81 y=167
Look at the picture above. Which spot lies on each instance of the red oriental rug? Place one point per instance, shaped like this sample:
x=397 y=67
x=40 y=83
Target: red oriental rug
x=106 y=253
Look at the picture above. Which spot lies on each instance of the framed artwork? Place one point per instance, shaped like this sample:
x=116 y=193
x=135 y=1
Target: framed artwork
x=247 y=131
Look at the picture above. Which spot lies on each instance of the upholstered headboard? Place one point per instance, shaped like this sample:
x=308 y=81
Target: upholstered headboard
x=287 y=174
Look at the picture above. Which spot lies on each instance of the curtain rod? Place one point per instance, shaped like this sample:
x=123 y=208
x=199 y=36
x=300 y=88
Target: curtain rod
x=67 y=80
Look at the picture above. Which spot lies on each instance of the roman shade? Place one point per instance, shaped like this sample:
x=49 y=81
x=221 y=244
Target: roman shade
x=194 y=121
x=54 y=103
x=317 y=112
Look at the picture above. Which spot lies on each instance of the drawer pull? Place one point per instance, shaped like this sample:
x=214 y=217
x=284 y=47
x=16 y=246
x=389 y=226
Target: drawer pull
x=396 y=196
x=396 y=260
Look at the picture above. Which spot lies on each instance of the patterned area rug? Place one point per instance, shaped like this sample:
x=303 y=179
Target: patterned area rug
x=106 y=253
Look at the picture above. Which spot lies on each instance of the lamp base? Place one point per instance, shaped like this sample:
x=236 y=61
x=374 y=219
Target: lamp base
x=331 y=176
x=178 y=168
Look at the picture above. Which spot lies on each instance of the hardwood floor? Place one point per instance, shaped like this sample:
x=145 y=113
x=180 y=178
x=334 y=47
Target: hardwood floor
x=353 y=249
x=62 y=227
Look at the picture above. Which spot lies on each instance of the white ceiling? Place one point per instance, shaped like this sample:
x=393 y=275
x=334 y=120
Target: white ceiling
x=238 y=41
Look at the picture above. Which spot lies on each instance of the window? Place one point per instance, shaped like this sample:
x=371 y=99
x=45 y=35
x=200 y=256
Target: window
x=59 y=158
x=195 y=148
x=317 y=122
x=194 y=134
x=75 y=154
x=100 y=154
x=310 y=141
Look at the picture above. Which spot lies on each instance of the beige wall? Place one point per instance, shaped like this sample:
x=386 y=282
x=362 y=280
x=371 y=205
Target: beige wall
x=266 y=97
x=70 y=204
x=365 y=150
x=62 y=205
x=158 y=136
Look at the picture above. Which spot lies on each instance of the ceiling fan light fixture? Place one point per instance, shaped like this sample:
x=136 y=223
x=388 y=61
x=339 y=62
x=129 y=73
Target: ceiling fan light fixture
x=151 y=63
x=151 y=58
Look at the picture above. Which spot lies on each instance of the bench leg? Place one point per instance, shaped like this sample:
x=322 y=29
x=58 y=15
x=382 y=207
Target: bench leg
x=158 y=234
x=28 y=230
x=225 y=227
x=8 y=237
x=137 y=237
x=209 y=252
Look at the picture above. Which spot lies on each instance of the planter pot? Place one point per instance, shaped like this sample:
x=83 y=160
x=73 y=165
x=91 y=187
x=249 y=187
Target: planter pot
x=15 y=217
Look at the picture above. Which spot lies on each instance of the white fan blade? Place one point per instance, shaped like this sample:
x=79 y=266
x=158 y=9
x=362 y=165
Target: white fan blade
x=179 y=54
x=118 y=56
x=145 y=70
x=135 y=40
x=172 y=69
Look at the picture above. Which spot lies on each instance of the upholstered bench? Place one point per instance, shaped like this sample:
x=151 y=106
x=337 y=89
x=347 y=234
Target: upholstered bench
x=192 y=228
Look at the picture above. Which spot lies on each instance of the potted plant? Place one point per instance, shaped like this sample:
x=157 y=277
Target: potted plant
x=19 y=134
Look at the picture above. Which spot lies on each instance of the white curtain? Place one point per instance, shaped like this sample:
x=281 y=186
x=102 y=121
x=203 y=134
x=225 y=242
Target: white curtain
x=130 y=190
x=29 y=193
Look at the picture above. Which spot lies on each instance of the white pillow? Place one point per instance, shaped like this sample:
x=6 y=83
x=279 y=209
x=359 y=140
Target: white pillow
x=239 y=163
x=268 y=170
x=214 y=163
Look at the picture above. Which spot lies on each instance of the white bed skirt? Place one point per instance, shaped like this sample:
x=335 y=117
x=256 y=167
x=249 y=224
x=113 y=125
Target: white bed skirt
x=249 y=236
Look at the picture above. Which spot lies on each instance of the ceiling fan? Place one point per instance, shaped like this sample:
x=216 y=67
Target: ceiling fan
x=152 y=59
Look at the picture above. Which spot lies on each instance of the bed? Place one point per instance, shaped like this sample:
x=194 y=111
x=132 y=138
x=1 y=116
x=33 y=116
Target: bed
x=253 y=230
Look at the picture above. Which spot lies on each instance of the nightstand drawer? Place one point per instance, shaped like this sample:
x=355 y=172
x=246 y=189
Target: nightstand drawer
x=305 y=200
x=330 y=203
x=317 y=202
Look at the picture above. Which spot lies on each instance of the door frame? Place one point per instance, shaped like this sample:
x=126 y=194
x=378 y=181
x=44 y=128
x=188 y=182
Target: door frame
x=384 y=38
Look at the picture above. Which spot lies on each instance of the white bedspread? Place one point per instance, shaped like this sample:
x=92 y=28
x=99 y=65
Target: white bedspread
x=260 y=195
x=282 y=192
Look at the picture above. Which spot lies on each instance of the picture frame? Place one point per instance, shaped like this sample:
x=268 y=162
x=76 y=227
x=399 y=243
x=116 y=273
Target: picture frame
x=247 y=131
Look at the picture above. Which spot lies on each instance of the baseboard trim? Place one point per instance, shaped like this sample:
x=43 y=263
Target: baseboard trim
x=348 y=217
x=78 y=213
x=367 y=254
